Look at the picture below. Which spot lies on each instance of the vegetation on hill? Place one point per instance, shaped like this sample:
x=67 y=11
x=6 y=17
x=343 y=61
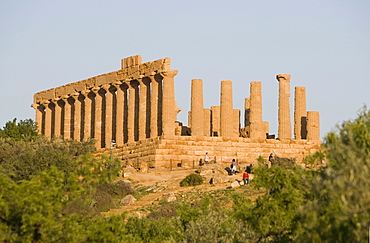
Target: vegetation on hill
x=50 y=192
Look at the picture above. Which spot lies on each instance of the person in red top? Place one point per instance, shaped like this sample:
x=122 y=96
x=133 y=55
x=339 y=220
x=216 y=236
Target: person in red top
x=246 y=178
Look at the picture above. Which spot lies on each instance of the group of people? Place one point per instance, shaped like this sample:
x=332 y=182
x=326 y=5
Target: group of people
x=233 y=169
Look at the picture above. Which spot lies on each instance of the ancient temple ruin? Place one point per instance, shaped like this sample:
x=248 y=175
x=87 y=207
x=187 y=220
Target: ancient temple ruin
x=135 y=110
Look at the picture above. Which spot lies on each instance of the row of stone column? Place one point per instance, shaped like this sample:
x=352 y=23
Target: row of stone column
x=306 y=124
x=223 y=119
x=123 y=111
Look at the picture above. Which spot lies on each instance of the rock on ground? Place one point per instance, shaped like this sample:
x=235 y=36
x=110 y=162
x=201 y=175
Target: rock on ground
x=127 y=200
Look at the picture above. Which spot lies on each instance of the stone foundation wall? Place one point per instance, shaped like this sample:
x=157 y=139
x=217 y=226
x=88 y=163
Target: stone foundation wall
x=186 y=151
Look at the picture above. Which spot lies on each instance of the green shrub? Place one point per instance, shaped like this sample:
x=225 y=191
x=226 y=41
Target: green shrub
x=192 y=180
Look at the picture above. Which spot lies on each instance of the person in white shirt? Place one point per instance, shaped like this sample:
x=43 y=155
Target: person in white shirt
x=206 y=158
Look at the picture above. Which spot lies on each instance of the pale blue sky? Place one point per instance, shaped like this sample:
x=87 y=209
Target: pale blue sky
x=324 y=45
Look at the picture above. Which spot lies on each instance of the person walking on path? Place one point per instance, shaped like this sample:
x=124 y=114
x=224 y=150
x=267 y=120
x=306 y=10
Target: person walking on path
x=246 y=178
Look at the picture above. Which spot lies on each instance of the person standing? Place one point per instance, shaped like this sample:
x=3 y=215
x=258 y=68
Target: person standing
x=233 y=166
x=246 y=178
x=206 y=158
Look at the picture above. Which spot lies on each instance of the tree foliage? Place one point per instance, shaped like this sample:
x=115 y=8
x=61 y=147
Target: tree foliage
x=340 y=205
x=52 y=192
x=23 y=130
x=20 y=158
x=192 y=180
x=39 y=209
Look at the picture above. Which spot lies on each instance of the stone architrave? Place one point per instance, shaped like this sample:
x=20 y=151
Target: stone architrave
x=197 y=109
x=57 y=118
x=48 y=118
x=38 y=117
x=98 y=117
x=247 y=110
x=257 y=130
x=108 y=135
x=285 y=127
x=168 y=104
x=300 y=113
x=67 y=117
x=77 y=116
x=120 y=101
x=226 y=109
x=87 y=114
x=215 y=121
x=131 y=113
x=142 y=109
x=313 y=125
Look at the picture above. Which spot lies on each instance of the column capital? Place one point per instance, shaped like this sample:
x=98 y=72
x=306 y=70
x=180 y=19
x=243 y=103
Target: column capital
x=117 y=84
x=35 y=106
x=106 y=87
x=45 y=102
x=137 y=77
x=85 y=92
x=95 y=90
x=75 y=95
x=169 y=73
x=55 y=100
x=64 y=97
x=283 y=77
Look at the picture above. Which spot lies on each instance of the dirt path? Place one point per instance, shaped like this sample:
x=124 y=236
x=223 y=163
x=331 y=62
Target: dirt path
x=161 y=183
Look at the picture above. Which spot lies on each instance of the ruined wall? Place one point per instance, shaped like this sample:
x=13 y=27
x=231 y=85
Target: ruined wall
x=159 y=153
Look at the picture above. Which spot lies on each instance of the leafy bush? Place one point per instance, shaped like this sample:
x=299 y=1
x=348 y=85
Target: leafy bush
x=166 y=210
x=272 y=217
x=21 y=158
x=339 y=207
x=192 y=180
x=23 y=130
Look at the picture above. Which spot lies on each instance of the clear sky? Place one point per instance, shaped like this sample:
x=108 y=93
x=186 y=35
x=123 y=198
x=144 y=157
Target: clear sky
x=323 y=44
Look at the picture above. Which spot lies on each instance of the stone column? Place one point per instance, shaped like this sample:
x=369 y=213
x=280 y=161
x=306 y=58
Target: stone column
x=285 y=127
x=47 y=119
x=154 y=107
x=67 y=117
x=77 y=117
x=57 y=118
x=142 y=109
x=197 y=109
x=108 y=135
x=300 y=125
x=226 y=110
x=168 y=106
x=247 y=110
x=38 y=117
x=87 y=114
x=257 y=130
x=207 y=122
x=313 y=125
x=98 y=117
x=131 y=113
x=215 y=121
x=236 y=119
x=120 y=100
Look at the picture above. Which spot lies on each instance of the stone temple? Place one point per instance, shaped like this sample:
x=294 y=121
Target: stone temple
x=132 y=113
